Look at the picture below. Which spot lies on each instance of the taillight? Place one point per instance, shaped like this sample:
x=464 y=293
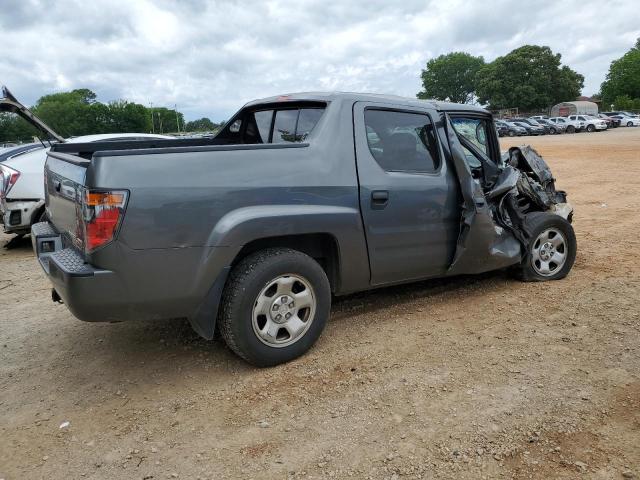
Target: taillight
x=102 y=213
x=8 y=178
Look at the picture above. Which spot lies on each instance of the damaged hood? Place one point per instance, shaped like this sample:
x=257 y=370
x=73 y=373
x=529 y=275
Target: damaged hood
x=9 y=104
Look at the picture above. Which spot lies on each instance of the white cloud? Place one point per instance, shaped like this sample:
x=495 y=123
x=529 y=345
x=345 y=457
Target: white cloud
x=211 y=57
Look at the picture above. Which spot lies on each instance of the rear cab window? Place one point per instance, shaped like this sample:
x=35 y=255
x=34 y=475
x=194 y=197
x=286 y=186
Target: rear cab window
x=276 y=123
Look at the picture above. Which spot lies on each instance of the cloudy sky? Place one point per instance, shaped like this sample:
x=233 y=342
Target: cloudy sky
x=209 y=57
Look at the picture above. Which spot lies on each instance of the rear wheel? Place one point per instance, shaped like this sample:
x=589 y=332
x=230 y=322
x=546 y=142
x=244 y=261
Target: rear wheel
x=512 y=133
x=553 y=131
x=275 y=306
x=552 y=249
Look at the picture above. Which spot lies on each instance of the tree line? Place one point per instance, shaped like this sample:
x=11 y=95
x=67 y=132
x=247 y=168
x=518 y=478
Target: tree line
x=78 y=112
x=530 y=78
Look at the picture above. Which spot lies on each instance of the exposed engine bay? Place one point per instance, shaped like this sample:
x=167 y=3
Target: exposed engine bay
x=534 y=191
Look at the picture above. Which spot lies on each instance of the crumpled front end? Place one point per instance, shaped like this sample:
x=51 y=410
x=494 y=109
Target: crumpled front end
x=535 y=188
x=495 y=226
x=527 y=185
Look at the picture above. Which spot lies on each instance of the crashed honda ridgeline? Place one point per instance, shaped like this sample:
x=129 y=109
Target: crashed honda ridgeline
x=297 y=198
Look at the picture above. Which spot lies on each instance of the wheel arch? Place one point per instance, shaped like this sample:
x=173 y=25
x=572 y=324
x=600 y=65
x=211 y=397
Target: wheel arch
x=323 y=247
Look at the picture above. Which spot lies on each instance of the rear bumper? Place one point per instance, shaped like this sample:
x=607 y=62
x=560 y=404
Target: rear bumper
x=147 y=285
x=91 y=294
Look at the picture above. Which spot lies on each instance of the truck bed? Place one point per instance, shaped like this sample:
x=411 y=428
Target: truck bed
x=86 y=150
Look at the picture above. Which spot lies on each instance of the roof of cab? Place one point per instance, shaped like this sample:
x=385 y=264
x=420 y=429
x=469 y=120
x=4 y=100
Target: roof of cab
x=367 y=97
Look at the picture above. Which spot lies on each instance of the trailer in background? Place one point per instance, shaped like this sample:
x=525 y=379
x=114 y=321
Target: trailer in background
x=578 y=107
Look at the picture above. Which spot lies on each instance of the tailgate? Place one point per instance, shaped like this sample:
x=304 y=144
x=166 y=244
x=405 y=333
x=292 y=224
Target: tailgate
x=64 y=181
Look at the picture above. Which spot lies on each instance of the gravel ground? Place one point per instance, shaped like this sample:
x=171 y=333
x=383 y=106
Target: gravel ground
x=464 y=378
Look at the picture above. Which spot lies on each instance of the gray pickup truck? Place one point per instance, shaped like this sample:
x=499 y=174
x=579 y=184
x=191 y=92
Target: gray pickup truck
x=298 y=198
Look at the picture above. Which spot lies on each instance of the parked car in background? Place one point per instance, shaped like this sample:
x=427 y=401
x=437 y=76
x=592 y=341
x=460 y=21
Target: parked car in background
x=554 y=128
x=531 y=129
x=572 y=126
x=10 y=152
x=611 y=121
x=507 y=129
x=22 y=169
x=592 y=124
x=628 y=121
x=299 y=197
x=622 y=113
x=540 y=117
x=533 y=123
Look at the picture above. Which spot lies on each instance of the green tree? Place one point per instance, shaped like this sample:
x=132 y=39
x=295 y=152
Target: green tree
x=13 y=128
x=166 y=120
x=451 y=77
x=625 y=102
x=70 y=113
x=202 y=125
x=79 y=113
x=122 y=116
x=529 y=78
x=623 y=78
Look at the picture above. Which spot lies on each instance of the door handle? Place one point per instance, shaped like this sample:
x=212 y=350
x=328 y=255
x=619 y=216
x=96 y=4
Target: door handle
x=379 y=198
x=57 y=185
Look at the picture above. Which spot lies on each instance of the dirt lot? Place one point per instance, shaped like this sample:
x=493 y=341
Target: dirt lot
x=467 y=378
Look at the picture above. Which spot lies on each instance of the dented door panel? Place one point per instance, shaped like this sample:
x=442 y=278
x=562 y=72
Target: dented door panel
x=482 y=244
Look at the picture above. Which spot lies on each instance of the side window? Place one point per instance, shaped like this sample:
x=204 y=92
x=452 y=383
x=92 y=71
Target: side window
x=401 y=141
x=263 y=121
x=258 y=126
x=476 y=131
x=284 y=127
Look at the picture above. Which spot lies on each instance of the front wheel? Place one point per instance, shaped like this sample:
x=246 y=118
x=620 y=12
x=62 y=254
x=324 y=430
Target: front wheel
x=571 y=129
x=629 y=124
x=590 y=128
x=552 y=248
x=275 y=306
x=512 y=133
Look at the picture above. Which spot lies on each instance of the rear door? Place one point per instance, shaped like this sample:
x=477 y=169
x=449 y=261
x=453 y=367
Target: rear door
x=408 y=195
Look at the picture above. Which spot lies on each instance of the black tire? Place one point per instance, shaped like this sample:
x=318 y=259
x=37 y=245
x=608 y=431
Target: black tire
x=42 y=217
x=590 y=128
x=512 y=133
x=539 y=223
x=552 y=131
x=629 y=124
x=571 y=129
x=245 y=284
